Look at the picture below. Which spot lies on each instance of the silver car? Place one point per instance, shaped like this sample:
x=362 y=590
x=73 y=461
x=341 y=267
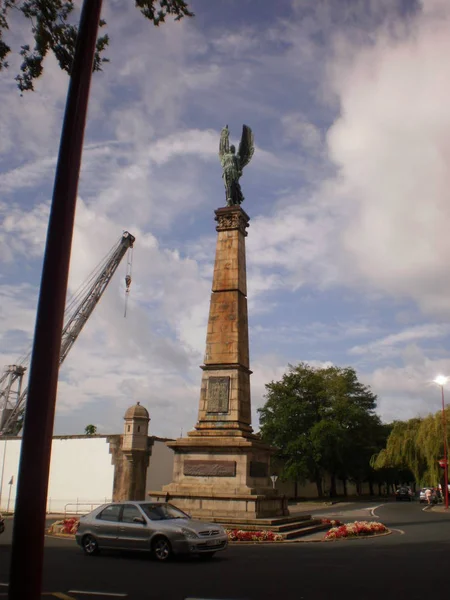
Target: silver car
x=156 y=527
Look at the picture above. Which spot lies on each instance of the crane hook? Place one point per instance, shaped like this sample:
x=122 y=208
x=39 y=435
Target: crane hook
x=128 y=278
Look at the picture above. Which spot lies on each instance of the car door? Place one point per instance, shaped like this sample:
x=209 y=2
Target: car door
x=133 y=535
x=106 y=526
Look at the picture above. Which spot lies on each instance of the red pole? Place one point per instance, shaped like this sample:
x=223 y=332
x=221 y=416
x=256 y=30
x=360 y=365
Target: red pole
x=444 y=426
x=29 y=519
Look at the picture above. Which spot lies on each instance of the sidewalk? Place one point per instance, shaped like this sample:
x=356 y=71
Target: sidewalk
x=306 y=507
x=441 y=509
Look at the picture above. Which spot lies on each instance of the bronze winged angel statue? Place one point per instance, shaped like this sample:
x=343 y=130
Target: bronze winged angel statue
x=233 y=164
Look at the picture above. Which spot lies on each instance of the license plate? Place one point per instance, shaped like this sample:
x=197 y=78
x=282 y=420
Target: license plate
x=211 y=543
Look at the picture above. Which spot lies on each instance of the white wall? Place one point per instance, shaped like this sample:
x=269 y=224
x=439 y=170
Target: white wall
x=160 y=469
x=80 y=471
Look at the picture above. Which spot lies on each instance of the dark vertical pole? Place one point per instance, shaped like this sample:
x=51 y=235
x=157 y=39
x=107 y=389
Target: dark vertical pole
x=29 y=520
x=444 y=428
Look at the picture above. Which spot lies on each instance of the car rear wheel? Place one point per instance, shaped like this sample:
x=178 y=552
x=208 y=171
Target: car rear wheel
x=161 y=549
x=90 y=545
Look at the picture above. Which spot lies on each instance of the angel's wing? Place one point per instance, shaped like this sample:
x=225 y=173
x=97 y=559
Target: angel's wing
x=246 y=146
x=224 y=145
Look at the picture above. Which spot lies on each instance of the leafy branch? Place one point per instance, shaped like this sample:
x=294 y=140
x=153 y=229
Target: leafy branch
x=53 y=32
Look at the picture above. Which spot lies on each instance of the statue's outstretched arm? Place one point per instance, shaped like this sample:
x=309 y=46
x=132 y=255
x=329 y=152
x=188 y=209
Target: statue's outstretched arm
x=224 y=145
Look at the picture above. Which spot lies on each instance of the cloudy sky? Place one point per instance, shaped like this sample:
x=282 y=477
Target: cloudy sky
x=348 y=194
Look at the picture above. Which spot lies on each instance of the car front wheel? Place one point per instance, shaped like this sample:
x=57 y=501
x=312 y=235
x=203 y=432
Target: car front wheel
x=90 y=545
x=161 y=549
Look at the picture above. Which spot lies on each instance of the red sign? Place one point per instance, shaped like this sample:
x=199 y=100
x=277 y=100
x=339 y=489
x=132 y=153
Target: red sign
x=442 y=462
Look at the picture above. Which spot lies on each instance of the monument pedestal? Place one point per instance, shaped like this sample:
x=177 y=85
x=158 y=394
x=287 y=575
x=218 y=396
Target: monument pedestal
x=223 y=477
x=222 y=469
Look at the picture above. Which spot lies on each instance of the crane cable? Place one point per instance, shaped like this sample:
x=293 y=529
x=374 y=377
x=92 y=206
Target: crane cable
x=128 y=277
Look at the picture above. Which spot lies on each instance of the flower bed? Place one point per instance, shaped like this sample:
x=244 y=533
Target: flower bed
x=356 y=529
x=65 y=526
x=238 y=535
x=332 y=522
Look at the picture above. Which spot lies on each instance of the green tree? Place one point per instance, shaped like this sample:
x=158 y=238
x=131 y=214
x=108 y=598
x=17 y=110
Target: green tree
x=321 y=421
x=90 y=430
x=54 y=32
x=415 y=445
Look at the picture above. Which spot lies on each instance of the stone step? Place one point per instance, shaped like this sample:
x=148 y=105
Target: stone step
x=303 y=531
x=260 y=523
x=287 y=530
x=296 y=525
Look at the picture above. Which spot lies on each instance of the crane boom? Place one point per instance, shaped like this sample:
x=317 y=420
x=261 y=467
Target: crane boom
x=78 y=312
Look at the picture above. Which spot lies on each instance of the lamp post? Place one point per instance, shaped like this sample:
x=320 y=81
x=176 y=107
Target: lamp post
x=441 y=380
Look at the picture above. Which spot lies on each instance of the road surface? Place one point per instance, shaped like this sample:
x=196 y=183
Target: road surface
x=402 y=565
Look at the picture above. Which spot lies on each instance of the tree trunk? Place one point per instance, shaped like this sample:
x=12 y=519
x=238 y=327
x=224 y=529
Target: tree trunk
x=295 y=489
x=379 y=489
x=371 y=487
x=344 y=485
x=333 y=492
x=318 y=483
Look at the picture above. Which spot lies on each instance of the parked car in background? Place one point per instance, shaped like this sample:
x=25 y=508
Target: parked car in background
x=434 y=495
x=156 y=527
x=403 y=493
x=2 y=524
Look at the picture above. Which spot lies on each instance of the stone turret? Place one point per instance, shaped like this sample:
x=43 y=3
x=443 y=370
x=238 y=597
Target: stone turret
x=131 y=456
x=136 y=428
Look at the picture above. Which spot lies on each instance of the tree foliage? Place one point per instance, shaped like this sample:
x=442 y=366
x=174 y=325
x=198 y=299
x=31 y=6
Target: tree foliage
x=53 y=31
x=90 y=430
x=322 y=421
x=417 y=445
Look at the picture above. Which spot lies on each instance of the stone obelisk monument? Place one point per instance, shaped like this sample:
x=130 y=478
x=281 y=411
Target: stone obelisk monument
x=222 y=469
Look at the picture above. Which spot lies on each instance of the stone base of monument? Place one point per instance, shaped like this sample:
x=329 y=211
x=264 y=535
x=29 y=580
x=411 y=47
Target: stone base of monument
x=214 y=506
x=223 y=477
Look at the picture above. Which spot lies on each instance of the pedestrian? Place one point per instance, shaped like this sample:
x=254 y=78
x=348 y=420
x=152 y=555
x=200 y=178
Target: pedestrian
x=428 y=495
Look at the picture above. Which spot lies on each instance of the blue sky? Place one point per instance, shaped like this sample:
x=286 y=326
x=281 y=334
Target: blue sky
x=348 y=244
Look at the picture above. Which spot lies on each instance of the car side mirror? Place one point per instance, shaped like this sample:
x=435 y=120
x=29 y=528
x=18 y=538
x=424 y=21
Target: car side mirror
x=139 y=520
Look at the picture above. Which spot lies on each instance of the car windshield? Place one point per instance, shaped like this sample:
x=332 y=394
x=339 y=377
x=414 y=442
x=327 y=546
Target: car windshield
x=162 y=512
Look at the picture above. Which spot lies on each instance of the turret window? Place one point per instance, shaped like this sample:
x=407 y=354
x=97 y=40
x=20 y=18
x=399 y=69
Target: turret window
x=139 y=428
x=129 y=427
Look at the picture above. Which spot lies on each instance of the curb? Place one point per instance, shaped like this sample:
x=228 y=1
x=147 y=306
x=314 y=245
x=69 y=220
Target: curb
x=439 y=509
x=360 y=537
x=69 y=536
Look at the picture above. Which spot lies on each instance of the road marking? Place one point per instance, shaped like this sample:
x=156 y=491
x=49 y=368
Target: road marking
x=4 y=584
x=400 y=531
x=60 y=595
x=427 y=507
x=108 y=594
x=372 y=511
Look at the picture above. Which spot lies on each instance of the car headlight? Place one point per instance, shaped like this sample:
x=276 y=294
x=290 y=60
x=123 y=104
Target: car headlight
x=191 y=535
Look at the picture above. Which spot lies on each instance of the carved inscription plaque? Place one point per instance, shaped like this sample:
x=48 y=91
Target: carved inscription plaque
x=259 y=469
x=218 y=394
x=209 y=468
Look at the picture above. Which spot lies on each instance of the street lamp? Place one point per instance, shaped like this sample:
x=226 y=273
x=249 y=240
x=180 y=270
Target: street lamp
x=441 y=380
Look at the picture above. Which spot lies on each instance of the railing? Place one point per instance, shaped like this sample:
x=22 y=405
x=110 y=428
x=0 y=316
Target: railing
x=77 y=505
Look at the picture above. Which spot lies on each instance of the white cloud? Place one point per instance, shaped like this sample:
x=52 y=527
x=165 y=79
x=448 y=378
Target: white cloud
x=391 y=146
x=363 y=208
x=390 y=342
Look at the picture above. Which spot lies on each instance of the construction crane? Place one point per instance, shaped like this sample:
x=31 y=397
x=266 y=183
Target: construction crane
x=78 y=311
